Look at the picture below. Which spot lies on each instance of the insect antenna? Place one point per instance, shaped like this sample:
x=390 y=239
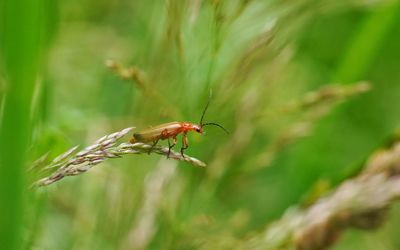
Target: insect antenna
x=215 y=124
x=205 y=109
x=210 y=123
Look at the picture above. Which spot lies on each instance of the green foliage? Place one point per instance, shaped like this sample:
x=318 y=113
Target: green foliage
x=24 y=35
x=270 y=65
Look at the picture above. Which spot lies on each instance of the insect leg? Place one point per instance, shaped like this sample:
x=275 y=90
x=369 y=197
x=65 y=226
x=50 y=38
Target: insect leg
x=163 y=135
x=152 y=146
x=171 y=146
x=185 y=144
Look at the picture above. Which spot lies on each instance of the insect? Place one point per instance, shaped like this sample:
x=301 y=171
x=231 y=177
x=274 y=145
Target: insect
x=166 y=131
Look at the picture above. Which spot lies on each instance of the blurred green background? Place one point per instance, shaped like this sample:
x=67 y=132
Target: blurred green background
x=260 y=58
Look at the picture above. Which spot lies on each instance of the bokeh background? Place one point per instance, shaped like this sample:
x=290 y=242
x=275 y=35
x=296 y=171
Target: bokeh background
x=285 y=77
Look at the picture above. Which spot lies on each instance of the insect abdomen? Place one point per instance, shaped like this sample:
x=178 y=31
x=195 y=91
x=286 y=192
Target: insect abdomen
x=139 y=137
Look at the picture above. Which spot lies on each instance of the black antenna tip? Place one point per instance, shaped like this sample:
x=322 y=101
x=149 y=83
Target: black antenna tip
x=216 y=124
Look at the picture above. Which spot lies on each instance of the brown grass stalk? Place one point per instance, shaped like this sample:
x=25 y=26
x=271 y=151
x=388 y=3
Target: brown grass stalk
x=360 y=202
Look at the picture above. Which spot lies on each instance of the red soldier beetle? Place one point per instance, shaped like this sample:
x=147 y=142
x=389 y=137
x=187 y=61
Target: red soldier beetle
x=172 y=130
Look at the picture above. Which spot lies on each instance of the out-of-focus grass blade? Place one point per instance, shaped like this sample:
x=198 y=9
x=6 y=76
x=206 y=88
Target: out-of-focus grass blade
x=366 y=43
x=24 y=32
